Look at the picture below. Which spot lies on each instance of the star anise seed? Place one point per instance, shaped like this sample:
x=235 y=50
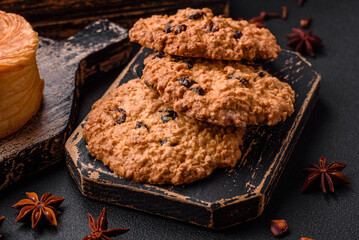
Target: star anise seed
x=305 y=22
x=278 y=227
x=284 y=12
x=32 y=206
x=1 y=222
x=99 y=228
x=303 y=41
x=327 y=175
x=258 y=21
x=267 y=15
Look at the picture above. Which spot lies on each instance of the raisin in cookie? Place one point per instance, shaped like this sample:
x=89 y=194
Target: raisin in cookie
x=144 y=140
x=197 y=33
x=219 y=92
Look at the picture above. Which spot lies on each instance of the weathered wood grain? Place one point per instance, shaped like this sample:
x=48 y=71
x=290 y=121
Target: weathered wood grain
x=64 y=66
x=61 y=19
x=226 y=197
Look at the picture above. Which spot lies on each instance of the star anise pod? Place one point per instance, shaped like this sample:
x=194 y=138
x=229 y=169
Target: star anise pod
x=267 y=15
x=284 y=12
x=305 y=22
x=99 y=228
x=1 y=222
x=278 y=227
x=303 y=41
x=46 y=206
x=328 y=175
x=258 y=21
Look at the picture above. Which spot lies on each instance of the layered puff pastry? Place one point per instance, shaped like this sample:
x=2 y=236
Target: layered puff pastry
x=20 y=84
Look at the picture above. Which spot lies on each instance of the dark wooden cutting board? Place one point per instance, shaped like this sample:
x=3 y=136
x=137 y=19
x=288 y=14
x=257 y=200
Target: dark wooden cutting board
x=64 y=66
x=226 y=197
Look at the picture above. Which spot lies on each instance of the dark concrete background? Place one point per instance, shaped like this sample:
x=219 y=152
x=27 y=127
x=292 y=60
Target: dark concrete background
x=332 y=131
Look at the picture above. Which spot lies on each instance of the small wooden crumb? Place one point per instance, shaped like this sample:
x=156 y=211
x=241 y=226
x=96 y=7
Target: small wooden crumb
x=304 y=23
x=279 y=227
x=268 y=15
x=284 y=12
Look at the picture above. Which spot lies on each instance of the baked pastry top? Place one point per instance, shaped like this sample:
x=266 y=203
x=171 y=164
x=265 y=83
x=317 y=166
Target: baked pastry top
x=197 y=33
x=20 y=84
x=142 y=139
x=219 y=92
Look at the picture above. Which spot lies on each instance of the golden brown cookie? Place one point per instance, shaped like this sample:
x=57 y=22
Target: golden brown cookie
x=197 y=33
x=219 y=92
x=144 y=140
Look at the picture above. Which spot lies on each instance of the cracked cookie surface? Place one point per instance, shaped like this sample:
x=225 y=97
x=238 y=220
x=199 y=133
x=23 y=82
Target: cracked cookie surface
x=142 y=139
x=219 y=92
x=197 y=33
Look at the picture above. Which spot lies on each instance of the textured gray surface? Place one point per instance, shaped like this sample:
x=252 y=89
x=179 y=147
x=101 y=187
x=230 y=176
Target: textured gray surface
x=332 y=131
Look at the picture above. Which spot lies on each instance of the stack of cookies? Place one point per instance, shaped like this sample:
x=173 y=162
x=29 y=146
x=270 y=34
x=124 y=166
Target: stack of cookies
x=199 y=90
